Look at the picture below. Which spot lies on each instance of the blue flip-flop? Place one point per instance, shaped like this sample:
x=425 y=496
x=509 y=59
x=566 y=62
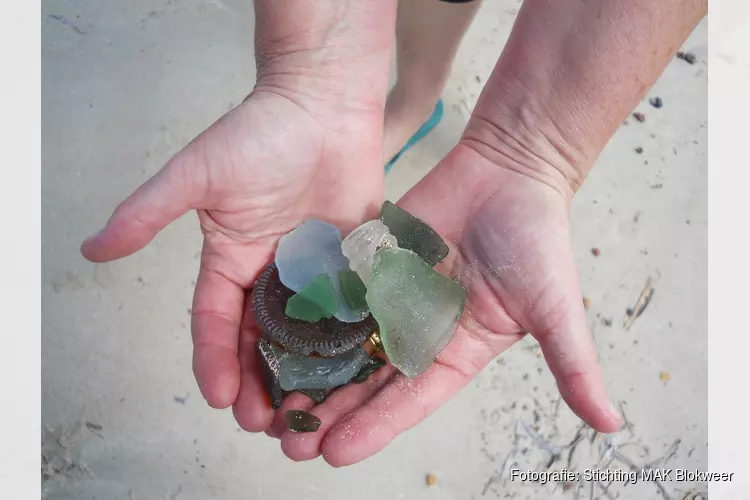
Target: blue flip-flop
x=437 y=115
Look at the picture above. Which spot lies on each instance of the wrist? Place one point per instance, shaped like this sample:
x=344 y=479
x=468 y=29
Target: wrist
x=520 y=140
x=329 y=50
x=569 y=75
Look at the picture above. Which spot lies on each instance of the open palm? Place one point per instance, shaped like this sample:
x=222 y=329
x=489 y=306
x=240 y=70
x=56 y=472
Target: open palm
x=254 y=175
x=511 y=250
x=270 y=164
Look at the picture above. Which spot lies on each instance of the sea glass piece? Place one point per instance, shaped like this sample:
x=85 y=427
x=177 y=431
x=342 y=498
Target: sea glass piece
x=314 y=248
x=302 y=372
x=317 y=395
x=270 y=362
x=316 y=301
x=353 y=290
x=327 y=337
x=372 y=365
x=301 y=421
x=416 y=307
x=362 y=243
x=413 y=234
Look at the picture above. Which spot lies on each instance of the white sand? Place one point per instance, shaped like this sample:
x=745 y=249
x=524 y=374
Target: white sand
x=141 y=81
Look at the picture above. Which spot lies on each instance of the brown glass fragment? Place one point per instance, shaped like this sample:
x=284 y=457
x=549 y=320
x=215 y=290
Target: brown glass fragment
x=301 y=421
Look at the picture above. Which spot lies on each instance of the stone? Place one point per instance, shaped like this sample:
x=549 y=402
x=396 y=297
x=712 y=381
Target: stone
x=303 y=372
x=413 y=234
x=372 y=365
x=314 y=302
x=270 y=364
x=327 y=337
x=301 y=421
x=314 y=248
x=416 y=307
x=353 y=290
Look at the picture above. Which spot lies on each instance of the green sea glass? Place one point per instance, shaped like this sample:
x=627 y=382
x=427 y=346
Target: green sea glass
x=315 y=302
x=416 y=307
x=353 y=290
x=413 y=234
x=317 y=395
x=372 y=365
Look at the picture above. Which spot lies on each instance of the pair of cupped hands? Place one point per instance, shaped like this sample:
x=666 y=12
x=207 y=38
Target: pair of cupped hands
x=280 y=158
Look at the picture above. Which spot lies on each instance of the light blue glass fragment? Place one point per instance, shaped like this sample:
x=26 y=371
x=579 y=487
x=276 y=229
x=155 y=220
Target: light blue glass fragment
x=301 y=372
x=314 y=248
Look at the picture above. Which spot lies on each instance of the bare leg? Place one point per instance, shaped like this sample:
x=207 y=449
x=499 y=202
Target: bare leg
x=428 y=33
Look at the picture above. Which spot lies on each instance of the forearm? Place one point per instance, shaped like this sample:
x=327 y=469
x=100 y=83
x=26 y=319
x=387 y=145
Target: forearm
x=326 y=49
x=571 y=72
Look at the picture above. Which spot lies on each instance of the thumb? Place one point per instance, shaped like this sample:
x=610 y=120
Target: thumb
x=135 y=222
x=570 y=353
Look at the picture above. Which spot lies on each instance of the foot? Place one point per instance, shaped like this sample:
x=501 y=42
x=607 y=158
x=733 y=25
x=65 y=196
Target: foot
x=403 y=118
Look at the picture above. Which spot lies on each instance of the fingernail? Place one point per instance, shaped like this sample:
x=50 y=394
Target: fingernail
x=616 y=414
x=86 y=247
x=613 y=410
x=92 y=237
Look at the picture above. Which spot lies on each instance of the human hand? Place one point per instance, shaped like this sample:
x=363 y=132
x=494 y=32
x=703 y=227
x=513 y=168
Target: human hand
x=510 y=247
x=305 y=144
x=258 y=172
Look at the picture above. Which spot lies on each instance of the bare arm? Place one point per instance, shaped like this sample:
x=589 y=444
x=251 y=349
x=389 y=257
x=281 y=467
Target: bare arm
x=571 y=72
x=328 y=50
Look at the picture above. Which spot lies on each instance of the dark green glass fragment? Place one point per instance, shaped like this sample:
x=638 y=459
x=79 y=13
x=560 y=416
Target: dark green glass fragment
x=413 y=234
x=353 y=290
x=372 y=365
x=270 y=363
x=317 y=395
x=301 y=421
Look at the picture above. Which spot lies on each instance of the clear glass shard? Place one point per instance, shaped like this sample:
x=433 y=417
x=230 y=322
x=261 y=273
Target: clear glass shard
x=360 y=246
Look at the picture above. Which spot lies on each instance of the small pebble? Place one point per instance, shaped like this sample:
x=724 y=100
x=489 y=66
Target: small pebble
x=639 y=116
x=596 y=252
x=656 y=102
x=664 y=376
x=586 y=302
x=687 y=57
x=639 y=150
x=431 y=479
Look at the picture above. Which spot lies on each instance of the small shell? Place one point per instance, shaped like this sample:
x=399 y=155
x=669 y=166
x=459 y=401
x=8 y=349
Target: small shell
x=327 y=337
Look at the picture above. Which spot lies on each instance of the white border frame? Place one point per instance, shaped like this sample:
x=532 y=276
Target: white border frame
x=20 y=252
x=20 y=242
x=729 y=267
